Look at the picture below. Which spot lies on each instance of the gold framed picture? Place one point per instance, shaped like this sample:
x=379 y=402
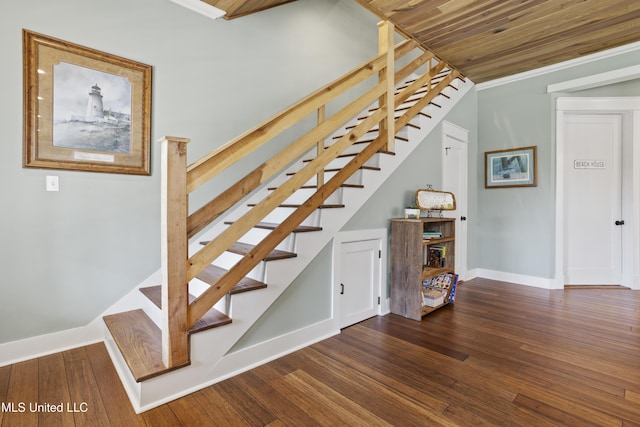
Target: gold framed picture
x=84 y=109
x=515 y=167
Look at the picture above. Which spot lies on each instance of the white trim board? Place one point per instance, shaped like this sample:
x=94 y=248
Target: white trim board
x=44 y=345
x=455 y=131
x=597 y=80
x=256 y=355
x=202 y=8
x=518 y=279
x=632 y=47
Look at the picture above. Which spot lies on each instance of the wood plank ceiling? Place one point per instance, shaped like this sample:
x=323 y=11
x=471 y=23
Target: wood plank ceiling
x=490 y=39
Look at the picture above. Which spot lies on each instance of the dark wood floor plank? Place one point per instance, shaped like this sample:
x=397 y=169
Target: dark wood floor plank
x=162 y=416
x=326 y=405
x=22 y=391
x=218 y=409
x=119 y=410
x=553 y=413
x=5 y=374
x=252 y=412
x=363 y=390
x=53 y=389
x=502 y=355
x=190 y=413
x=363 y=363
x=279 y=404
x=86 y=401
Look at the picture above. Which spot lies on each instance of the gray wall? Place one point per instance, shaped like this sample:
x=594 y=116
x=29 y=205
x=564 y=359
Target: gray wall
x=65 y=257
x=515 y=229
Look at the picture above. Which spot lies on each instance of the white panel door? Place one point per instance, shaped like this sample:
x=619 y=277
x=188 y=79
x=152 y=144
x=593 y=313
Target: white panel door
x=359 y=281
x=593 y=199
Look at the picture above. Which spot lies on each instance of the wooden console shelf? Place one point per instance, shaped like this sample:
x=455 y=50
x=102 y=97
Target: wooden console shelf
x=422 y=250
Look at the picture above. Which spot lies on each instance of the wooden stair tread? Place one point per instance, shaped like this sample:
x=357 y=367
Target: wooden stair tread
x=273 y=225
x=367 y=141
x=212 y=319
x=365 y=167
x=344 y=156
x=139 y=341
x=311 y=187
x=212 y=273
x=244 y=248
x=295 y=206
x=332 y=206
x=363 y=141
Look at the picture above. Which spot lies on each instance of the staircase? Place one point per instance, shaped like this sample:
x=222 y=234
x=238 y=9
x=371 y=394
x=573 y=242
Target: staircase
x=227 y=262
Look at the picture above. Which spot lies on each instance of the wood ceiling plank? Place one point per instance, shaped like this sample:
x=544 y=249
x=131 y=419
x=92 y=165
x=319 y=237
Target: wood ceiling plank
x=478 y=35
x=541 y=55
x=497 y=19
x=547 y=38
x=424 y=18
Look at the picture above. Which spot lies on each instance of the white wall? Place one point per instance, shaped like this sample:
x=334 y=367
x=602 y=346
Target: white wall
x=65 y=257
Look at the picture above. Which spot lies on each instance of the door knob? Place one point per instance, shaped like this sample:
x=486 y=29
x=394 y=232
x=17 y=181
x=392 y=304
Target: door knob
x=619 y=222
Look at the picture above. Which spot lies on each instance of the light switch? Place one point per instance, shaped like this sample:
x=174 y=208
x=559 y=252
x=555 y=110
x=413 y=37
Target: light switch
x=52 y=183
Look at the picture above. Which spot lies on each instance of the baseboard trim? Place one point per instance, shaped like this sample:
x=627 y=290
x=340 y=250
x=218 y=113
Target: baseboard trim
x=518 y=279
x=44 y=345
x=256 y=355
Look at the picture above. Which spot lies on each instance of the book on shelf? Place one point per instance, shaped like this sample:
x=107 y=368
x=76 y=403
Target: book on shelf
x=435 y=289
x=441 y=281
x=454 y=286
x=428 y=235
x=436 y=256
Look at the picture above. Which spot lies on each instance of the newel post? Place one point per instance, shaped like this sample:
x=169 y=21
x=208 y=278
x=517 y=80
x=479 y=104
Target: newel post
x=174 y=251
x=386 y=32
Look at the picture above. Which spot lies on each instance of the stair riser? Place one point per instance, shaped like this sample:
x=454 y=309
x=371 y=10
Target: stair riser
x=256 y=235
x=340 y=162
x=303 y=195
x=280 y=214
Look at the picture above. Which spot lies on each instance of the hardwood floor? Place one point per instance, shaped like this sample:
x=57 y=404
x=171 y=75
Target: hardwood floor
x=502 y=355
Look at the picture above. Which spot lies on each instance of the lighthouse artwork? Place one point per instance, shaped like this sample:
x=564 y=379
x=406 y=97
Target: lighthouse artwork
x=91 y=110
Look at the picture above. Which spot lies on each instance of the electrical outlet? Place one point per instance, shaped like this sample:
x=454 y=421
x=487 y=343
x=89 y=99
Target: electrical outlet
x=52 y=183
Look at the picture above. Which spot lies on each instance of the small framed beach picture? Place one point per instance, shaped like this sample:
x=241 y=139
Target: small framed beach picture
x=84 y=109
x=510 y=168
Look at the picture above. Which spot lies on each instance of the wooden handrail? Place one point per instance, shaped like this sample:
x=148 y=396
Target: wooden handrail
x=180 y=269
x=220 y=159
x=212 y=210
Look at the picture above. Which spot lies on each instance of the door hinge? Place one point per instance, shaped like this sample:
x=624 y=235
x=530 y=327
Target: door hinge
x=378 y=300
x=379 y=254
